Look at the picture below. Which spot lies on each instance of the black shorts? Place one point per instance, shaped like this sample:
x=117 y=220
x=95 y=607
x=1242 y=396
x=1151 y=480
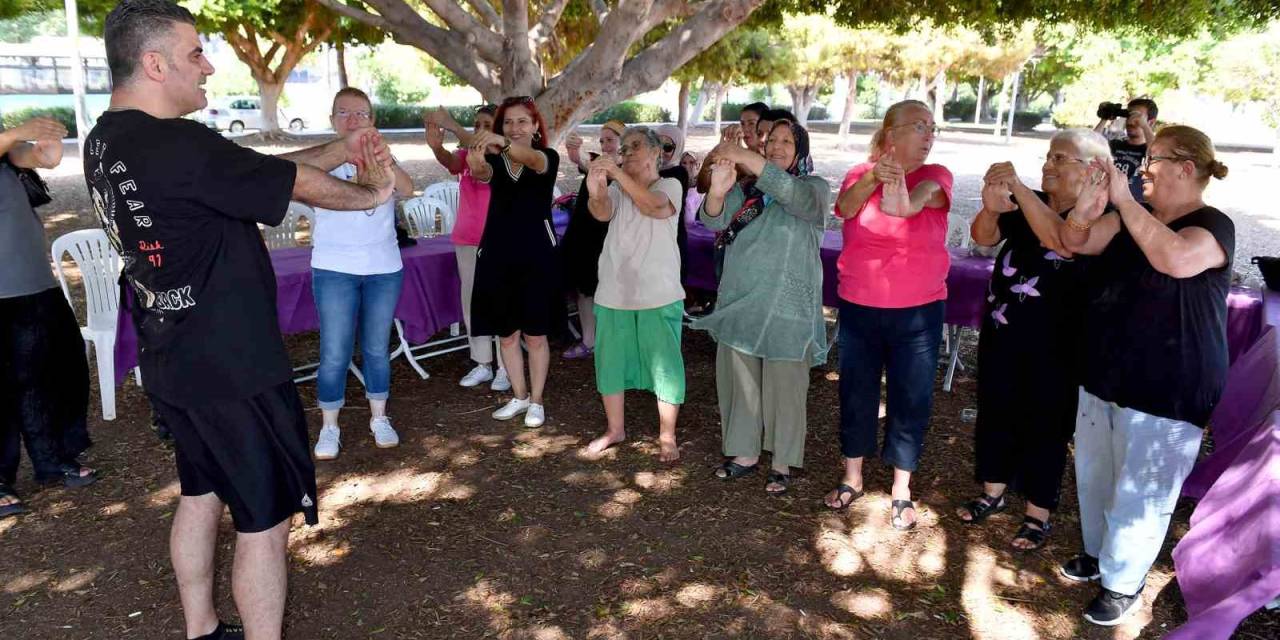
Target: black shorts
x=253 y=454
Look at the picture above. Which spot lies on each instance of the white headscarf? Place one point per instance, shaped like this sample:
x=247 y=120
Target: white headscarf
x=673 y=132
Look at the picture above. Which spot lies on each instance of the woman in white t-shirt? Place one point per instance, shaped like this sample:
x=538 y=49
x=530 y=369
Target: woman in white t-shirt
x=355 y=277
x=639 y=302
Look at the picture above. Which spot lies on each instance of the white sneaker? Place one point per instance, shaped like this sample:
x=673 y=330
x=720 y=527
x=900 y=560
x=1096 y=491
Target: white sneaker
x=501 y=382
x=535 y=416
x=383 y=434
x=327 y=444
x=512 y=409
x=480 y=374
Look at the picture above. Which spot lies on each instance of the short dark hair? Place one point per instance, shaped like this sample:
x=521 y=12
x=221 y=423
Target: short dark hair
x=1148 y=104
x=774 y=115
x=758 y=108
x=132 y=27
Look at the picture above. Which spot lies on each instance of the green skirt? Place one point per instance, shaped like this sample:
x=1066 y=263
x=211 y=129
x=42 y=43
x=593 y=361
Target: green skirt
x=640 y=350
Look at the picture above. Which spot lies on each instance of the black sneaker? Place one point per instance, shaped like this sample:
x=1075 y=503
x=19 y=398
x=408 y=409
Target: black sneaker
x=1109 y=608
x=1082 y=568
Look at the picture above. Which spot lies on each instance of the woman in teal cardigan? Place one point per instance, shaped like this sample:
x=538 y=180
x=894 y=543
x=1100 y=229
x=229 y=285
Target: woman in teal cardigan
x=768 y=319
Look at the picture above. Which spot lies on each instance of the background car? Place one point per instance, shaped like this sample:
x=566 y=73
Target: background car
x=237 y=114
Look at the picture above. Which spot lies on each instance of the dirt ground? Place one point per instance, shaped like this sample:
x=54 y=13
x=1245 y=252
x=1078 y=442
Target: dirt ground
x=474 y=528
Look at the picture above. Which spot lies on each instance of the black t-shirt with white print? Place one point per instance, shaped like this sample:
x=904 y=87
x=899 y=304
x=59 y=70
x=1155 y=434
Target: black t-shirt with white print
x=1128 y=157
x=181 y=204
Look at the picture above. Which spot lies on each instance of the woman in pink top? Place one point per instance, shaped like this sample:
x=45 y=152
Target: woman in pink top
x=893 y=273
x=473 y=206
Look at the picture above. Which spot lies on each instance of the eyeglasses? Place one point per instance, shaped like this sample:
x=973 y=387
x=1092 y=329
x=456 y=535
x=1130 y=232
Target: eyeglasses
x=1059 y=159
x=359 y=115
x=669 y=147
x=1147 y=161
x=920 y=128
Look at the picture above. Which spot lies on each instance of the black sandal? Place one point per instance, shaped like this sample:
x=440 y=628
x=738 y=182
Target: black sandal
x=899 y=506
x=72 y=476
x=841 y=490
x=783 y=479
x=732 y=470
x=984 y=506
x=13 y=509
x=1035 y=536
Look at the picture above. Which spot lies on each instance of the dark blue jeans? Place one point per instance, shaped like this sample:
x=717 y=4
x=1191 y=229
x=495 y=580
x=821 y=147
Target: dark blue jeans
x=345 y=302
x=903 y=343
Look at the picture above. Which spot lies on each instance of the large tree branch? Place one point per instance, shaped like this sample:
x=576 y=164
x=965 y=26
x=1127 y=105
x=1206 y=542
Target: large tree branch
x=522 y=76
x=474 y=35
x=546 y=27
x=600 y=9
x=359 y=15
x=486 y=11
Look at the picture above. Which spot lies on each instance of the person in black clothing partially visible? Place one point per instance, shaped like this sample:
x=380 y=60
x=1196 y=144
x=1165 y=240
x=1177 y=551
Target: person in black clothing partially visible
x=182 y=206
x=1129 y=151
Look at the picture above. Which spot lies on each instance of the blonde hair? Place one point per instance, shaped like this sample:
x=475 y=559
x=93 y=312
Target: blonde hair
x=1192 y=145
x=892 y=119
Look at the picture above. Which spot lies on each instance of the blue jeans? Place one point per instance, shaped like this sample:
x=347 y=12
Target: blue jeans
x=904 y=344
x=341 y=300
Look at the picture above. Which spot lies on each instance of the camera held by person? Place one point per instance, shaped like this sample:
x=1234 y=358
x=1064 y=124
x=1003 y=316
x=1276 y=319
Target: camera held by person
x=1139 y=122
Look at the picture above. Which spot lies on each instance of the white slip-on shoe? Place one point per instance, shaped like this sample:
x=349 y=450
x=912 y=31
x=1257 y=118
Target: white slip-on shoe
x=535 y=416
x=328 y=444
x=383 y=435
x=513 y=408
x=481 y=374
x=501 y=382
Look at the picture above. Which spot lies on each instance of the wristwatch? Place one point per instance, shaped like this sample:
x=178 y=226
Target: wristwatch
x=506 y=144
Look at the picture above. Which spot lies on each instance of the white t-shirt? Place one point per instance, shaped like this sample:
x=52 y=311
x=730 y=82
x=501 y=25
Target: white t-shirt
x=640 y=263
x=355 y=242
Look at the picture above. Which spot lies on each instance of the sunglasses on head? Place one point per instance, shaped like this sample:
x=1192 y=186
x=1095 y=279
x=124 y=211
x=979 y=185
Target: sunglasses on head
x=517 y=100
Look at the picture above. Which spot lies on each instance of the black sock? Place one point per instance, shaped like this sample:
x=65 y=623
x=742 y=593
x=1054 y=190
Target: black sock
x=224 y=632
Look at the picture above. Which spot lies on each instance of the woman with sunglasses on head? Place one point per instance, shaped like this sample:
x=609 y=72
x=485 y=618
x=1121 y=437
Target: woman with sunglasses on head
x=1155 y=355
x=473 y=206
x=584 y=237
x=893 y=284
x=356 y=275
x=1027 y=374
x=517 y=286
x=768 y=321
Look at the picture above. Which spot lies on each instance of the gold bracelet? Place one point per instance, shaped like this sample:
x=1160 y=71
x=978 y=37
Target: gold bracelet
x=1076 y=226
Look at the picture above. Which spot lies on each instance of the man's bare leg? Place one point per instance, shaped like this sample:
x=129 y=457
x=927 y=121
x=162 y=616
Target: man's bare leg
x=260 y=580
x=192 y=542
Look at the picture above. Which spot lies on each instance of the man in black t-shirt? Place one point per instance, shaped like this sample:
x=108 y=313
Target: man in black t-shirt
x=1129 y=151
x=182 y=206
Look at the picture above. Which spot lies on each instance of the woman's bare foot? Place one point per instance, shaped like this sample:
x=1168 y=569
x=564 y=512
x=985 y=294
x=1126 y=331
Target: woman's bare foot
x=598 y=446
x=841 y=497
x=669 y=451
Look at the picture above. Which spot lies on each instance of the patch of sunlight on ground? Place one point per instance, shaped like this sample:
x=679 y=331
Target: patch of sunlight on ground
x=647 y=609
x=698 y=594
x=26 y=582
x=531 y=445
x=486 y=598
x=592 y=559
x=864 y=603
x=78 y=580
x=660 y=481
x=594 y=479
x=323 y=553
x=165 y=497
x=401 y=486
x=847 y=552
x=647 y=585
x=607 y=630
x=979 y=601
x=114 y=509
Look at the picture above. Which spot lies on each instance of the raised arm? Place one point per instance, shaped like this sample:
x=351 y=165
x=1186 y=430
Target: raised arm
x=652 y=204
x=518 y=152
x=374 y=184
x=1178 y=254
x=599 y=203
x=46 y=153
x=1044 y=221
x=1088 y=228
x=443 y=119
x=328 y=156
x=452 y=162
x=996 y=200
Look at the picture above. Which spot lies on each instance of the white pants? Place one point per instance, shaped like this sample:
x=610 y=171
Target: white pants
x=1129 y=472
x=481 y=346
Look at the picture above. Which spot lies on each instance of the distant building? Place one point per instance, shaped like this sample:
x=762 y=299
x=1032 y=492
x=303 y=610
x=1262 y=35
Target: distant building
x=43 y=66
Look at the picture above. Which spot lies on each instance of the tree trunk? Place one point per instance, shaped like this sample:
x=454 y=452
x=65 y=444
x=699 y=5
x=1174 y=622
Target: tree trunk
x=850 y=102
x=1004 y=87
x=802 y=98
x=269 y=93
x=682 y=120
x=707 y=90
x=721 y=92
x=977 y=107
x=341 y=50
x=940 y=96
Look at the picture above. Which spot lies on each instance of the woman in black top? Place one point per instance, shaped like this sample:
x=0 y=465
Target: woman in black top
x=1155 y=355
x=584 y=239
x=517 y=289
x=1027 y=378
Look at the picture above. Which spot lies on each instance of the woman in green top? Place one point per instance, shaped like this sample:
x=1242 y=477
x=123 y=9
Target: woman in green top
x=768 y=320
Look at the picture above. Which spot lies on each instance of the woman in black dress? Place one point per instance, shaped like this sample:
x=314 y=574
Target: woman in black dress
x=1027 y=377
x=584 y=239
x=517 y=289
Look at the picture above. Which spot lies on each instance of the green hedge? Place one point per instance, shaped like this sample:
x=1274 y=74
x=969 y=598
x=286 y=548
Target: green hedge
x=65 y=115
x=962 y=109
x=1026 y=120
x=630 y=113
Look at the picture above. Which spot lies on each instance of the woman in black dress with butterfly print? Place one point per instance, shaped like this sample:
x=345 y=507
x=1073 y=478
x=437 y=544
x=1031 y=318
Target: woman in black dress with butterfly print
x=1027 y=374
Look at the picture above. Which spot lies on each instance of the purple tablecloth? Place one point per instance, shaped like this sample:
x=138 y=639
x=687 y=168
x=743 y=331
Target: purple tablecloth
x=966 y=282
x=429 y=300
x=1228 y=563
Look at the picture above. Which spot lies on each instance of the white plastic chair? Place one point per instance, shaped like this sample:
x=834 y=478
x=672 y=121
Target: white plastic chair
x=448 y=215
x=446 y=192
x=99 y=266
x=957 y=236
x=299 y=212
x=281 y=236
x=422 y=215
x=957 y=231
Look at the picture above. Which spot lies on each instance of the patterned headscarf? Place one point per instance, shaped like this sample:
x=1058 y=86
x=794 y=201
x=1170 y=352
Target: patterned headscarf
x=755 y=200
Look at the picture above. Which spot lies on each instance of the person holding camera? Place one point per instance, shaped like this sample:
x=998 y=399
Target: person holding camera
x=1139 y=122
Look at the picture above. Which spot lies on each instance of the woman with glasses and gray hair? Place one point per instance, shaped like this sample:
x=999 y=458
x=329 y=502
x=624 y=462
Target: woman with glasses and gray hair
x=893 y=284
x=768 y=322
x=639 y=301
x=355 y=278
x=1028 y=376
